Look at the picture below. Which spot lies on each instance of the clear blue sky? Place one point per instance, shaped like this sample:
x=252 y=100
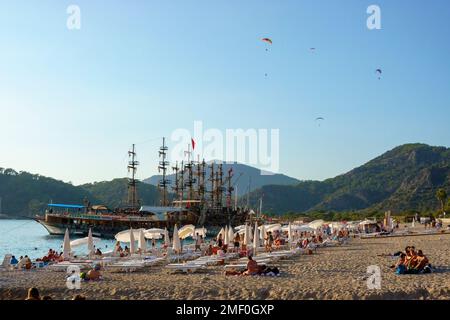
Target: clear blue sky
x=72 y=102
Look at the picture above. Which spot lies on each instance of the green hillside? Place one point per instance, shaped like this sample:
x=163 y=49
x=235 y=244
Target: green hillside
x=405 y=178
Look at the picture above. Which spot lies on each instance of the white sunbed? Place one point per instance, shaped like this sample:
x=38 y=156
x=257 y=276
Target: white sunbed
x=63 y=266
x=189 y=267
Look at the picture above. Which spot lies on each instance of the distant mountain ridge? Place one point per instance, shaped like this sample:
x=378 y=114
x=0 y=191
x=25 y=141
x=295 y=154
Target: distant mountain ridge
x=258 y=180
x=24 y=194
x=404 y=178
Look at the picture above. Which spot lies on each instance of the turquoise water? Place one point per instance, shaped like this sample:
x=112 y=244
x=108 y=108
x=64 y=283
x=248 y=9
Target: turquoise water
x=27 y=237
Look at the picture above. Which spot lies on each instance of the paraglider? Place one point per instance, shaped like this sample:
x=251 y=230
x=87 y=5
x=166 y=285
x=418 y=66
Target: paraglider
x=379 y=72
x=319 y=120
x=312 y=50
x=269 y=42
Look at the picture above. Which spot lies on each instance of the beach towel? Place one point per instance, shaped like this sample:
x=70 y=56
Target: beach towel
x=401 y=269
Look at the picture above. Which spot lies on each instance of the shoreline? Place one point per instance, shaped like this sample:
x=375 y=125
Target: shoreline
x=332 y=273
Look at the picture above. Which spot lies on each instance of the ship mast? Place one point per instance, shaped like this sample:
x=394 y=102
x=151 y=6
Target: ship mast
x=163 y=165
x=176 y=188
x=132 y=182
x=212 y=179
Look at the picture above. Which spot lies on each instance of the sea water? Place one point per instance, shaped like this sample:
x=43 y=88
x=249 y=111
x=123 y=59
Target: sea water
x=28 y=237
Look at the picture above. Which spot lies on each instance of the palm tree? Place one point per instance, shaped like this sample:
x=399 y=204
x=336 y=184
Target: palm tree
x=441 y=194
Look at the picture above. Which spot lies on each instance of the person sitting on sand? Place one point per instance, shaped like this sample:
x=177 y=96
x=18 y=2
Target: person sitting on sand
x=422 y=260
x=126 y=251
x=252 y=267
x=33 y=294
x=13 y=261
x=399 y=266
x=209 y=251
x=413 y=261
x=94 y=274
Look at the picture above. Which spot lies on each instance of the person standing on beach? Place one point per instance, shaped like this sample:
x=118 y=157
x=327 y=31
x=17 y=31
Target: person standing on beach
x=198 y=241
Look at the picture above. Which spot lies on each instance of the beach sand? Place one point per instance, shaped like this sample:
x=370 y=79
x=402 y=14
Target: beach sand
x=331 y=273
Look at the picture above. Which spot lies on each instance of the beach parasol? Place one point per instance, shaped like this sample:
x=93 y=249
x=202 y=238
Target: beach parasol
x=176 y=240
x=200 y=231
x=290 y=238
x=316 y=224
x=66 y=246
x=246 y=236
x=90 y=242
x=262 y=230
x=142 y=242
x=124 y=236
x=132 y=242
x=230 y=234
x=83 y=241
x=256 y=240
x=166 y=238
x=226 y=241
x=186 y=231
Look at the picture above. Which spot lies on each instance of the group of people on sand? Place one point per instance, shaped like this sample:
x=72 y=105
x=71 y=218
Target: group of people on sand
x=52 y=256
x=24 y=262
x=33 y=294
x=411 y=261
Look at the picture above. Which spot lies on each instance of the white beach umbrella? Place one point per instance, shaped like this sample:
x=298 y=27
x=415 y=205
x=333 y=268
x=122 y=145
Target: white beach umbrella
x=226 y=241
x=230 y=234
x=124 y=236
x=166 y=238
x=186 y=231
x=290 y=238
x=246 y=236
x=250 y=233
x=176 y=240
x=316 y=224
x=153 y=233
x=155 y=230
x=142 y=242
x=90 y=242
x=66 y=246
x=273 y=227
x=262 y=229
x=83 y=242
x=132 y=242
x=241 y=227
x=200 y=231
x=256 y=239
x=153 y=236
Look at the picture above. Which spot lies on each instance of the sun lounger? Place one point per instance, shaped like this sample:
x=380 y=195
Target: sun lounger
x=189 y=267
x=63 y=266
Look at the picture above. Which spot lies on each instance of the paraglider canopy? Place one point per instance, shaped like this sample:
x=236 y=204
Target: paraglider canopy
x=319 y=120
x=379 y=72
x=267 y=40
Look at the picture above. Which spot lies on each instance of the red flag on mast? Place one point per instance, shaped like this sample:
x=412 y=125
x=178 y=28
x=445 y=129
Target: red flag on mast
x=193 y=143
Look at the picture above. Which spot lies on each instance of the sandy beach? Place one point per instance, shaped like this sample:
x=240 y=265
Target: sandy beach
x=331 y=273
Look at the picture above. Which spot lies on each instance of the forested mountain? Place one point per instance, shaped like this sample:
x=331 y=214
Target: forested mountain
x=402 y=179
